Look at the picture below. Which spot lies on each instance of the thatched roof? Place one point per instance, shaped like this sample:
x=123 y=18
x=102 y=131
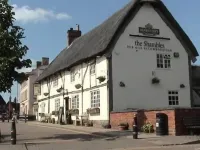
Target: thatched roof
x=96 y=41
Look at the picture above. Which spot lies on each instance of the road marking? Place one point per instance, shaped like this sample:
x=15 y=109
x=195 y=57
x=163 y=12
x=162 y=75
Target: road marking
x=102 y=136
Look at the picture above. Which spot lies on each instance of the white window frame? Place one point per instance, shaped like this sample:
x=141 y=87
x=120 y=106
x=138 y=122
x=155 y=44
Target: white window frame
x=57 y=104
x=163 y=61
x=55 y=81
x=92 y=69
x=95 y=98
x=72 y=75
x=173 y=97
x=75 y=102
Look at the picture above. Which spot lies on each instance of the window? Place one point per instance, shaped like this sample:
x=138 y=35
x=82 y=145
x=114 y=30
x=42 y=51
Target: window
x=55 y=81
x=75 y=102
x=42 y=107
x=72 y=75
x=57 y=104
x=163 y=61
x=92 y=69
x=173 y=98
x=95 y=99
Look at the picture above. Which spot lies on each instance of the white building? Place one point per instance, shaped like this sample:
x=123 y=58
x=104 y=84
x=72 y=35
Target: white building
x=26 y=91
x=141 y=56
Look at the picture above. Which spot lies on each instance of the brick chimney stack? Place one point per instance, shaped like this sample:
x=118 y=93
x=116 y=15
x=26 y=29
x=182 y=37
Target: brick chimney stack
x=45 y=61
x=73 y=34
x=38 y=64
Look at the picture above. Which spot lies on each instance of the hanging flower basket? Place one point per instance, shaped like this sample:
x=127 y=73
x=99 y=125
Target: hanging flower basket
x=59 y=90
x=45 y=94
x=73 y=111
x=101 y=79
x=93 y=111
x=78 y=86
x=155 y=80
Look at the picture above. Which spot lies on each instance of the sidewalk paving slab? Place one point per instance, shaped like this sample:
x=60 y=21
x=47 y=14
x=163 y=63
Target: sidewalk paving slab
x=152 y=138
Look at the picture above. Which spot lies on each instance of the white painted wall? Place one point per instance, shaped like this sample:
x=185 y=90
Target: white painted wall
x=90 y=83
x=135 y=68
x=30 y=95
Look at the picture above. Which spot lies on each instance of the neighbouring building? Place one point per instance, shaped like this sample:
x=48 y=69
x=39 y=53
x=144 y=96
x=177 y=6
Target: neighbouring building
x=137 y=61
x=26 y=92
x=196 y=85
x=2 y=105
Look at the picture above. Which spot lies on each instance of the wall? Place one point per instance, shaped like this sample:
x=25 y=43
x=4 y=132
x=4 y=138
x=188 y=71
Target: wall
x=136 y=68
x=175 y=117
x=144 y=116
x=90 y=83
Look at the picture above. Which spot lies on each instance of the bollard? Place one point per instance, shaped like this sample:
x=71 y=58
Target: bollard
x=13 y=132
x=25 y=118
x=135 y=127
x=0 y=136
x=2 y=118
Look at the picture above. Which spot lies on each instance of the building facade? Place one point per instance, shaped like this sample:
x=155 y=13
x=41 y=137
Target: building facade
x=26 y=91
x=139 y=58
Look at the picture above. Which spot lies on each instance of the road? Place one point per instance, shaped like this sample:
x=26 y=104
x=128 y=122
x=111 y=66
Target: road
x=30 y=137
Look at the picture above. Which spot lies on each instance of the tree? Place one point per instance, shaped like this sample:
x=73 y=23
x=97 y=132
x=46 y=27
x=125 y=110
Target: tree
x=12 y=50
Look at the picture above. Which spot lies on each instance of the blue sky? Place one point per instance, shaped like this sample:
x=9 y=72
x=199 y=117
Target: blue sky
x=46 y=22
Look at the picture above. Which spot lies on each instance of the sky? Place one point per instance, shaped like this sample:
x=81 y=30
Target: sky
x=46 y=22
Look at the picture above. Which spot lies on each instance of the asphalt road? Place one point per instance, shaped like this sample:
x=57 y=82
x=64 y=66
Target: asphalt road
x=30 y=137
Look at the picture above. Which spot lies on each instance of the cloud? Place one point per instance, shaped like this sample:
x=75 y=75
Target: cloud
x=25 y=14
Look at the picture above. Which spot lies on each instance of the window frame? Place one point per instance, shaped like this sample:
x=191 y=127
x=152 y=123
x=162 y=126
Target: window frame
x=95 y=98
x=75 y=102
x=173 y=98
x=162 y=62
x=57 y=104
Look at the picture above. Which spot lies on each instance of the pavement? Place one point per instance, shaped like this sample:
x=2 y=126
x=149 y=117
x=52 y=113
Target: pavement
x=43 y=136
x=150 y=138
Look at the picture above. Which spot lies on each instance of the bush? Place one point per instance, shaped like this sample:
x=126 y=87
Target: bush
x=147 y=128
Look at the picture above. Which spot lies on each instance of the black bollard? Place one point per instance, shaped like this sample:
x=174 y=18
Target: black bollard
x=2 y=118
x=13 y=132
x=135 y=127
x=25 y=118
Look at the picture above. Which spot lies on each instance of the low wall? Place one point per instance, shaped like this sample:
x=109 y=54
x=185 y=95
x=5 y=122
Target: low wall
x=175 y=117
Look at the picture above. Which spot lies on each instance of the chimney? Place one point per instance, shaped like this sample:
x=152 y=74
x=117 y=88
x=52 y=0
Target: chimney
x=38 y=64
x=45 y=61
x=73 y=34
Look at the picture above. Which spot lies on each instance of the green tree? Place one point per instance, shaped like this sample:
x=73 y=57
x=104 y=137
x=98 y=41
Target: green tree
x=12 y=50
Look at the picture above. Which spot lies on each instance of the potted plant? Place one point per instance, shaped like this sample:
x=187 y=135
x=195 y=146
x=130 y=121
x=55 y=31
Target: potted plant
x=101 y=78
x=155 y=80
x=78 y=86
x=123 y=126
x=147 y=128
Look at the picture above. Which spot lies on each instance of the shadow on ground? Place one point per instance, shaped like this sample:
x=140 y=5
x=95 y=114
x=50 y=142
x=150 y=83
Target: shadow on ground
x=109 y=136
